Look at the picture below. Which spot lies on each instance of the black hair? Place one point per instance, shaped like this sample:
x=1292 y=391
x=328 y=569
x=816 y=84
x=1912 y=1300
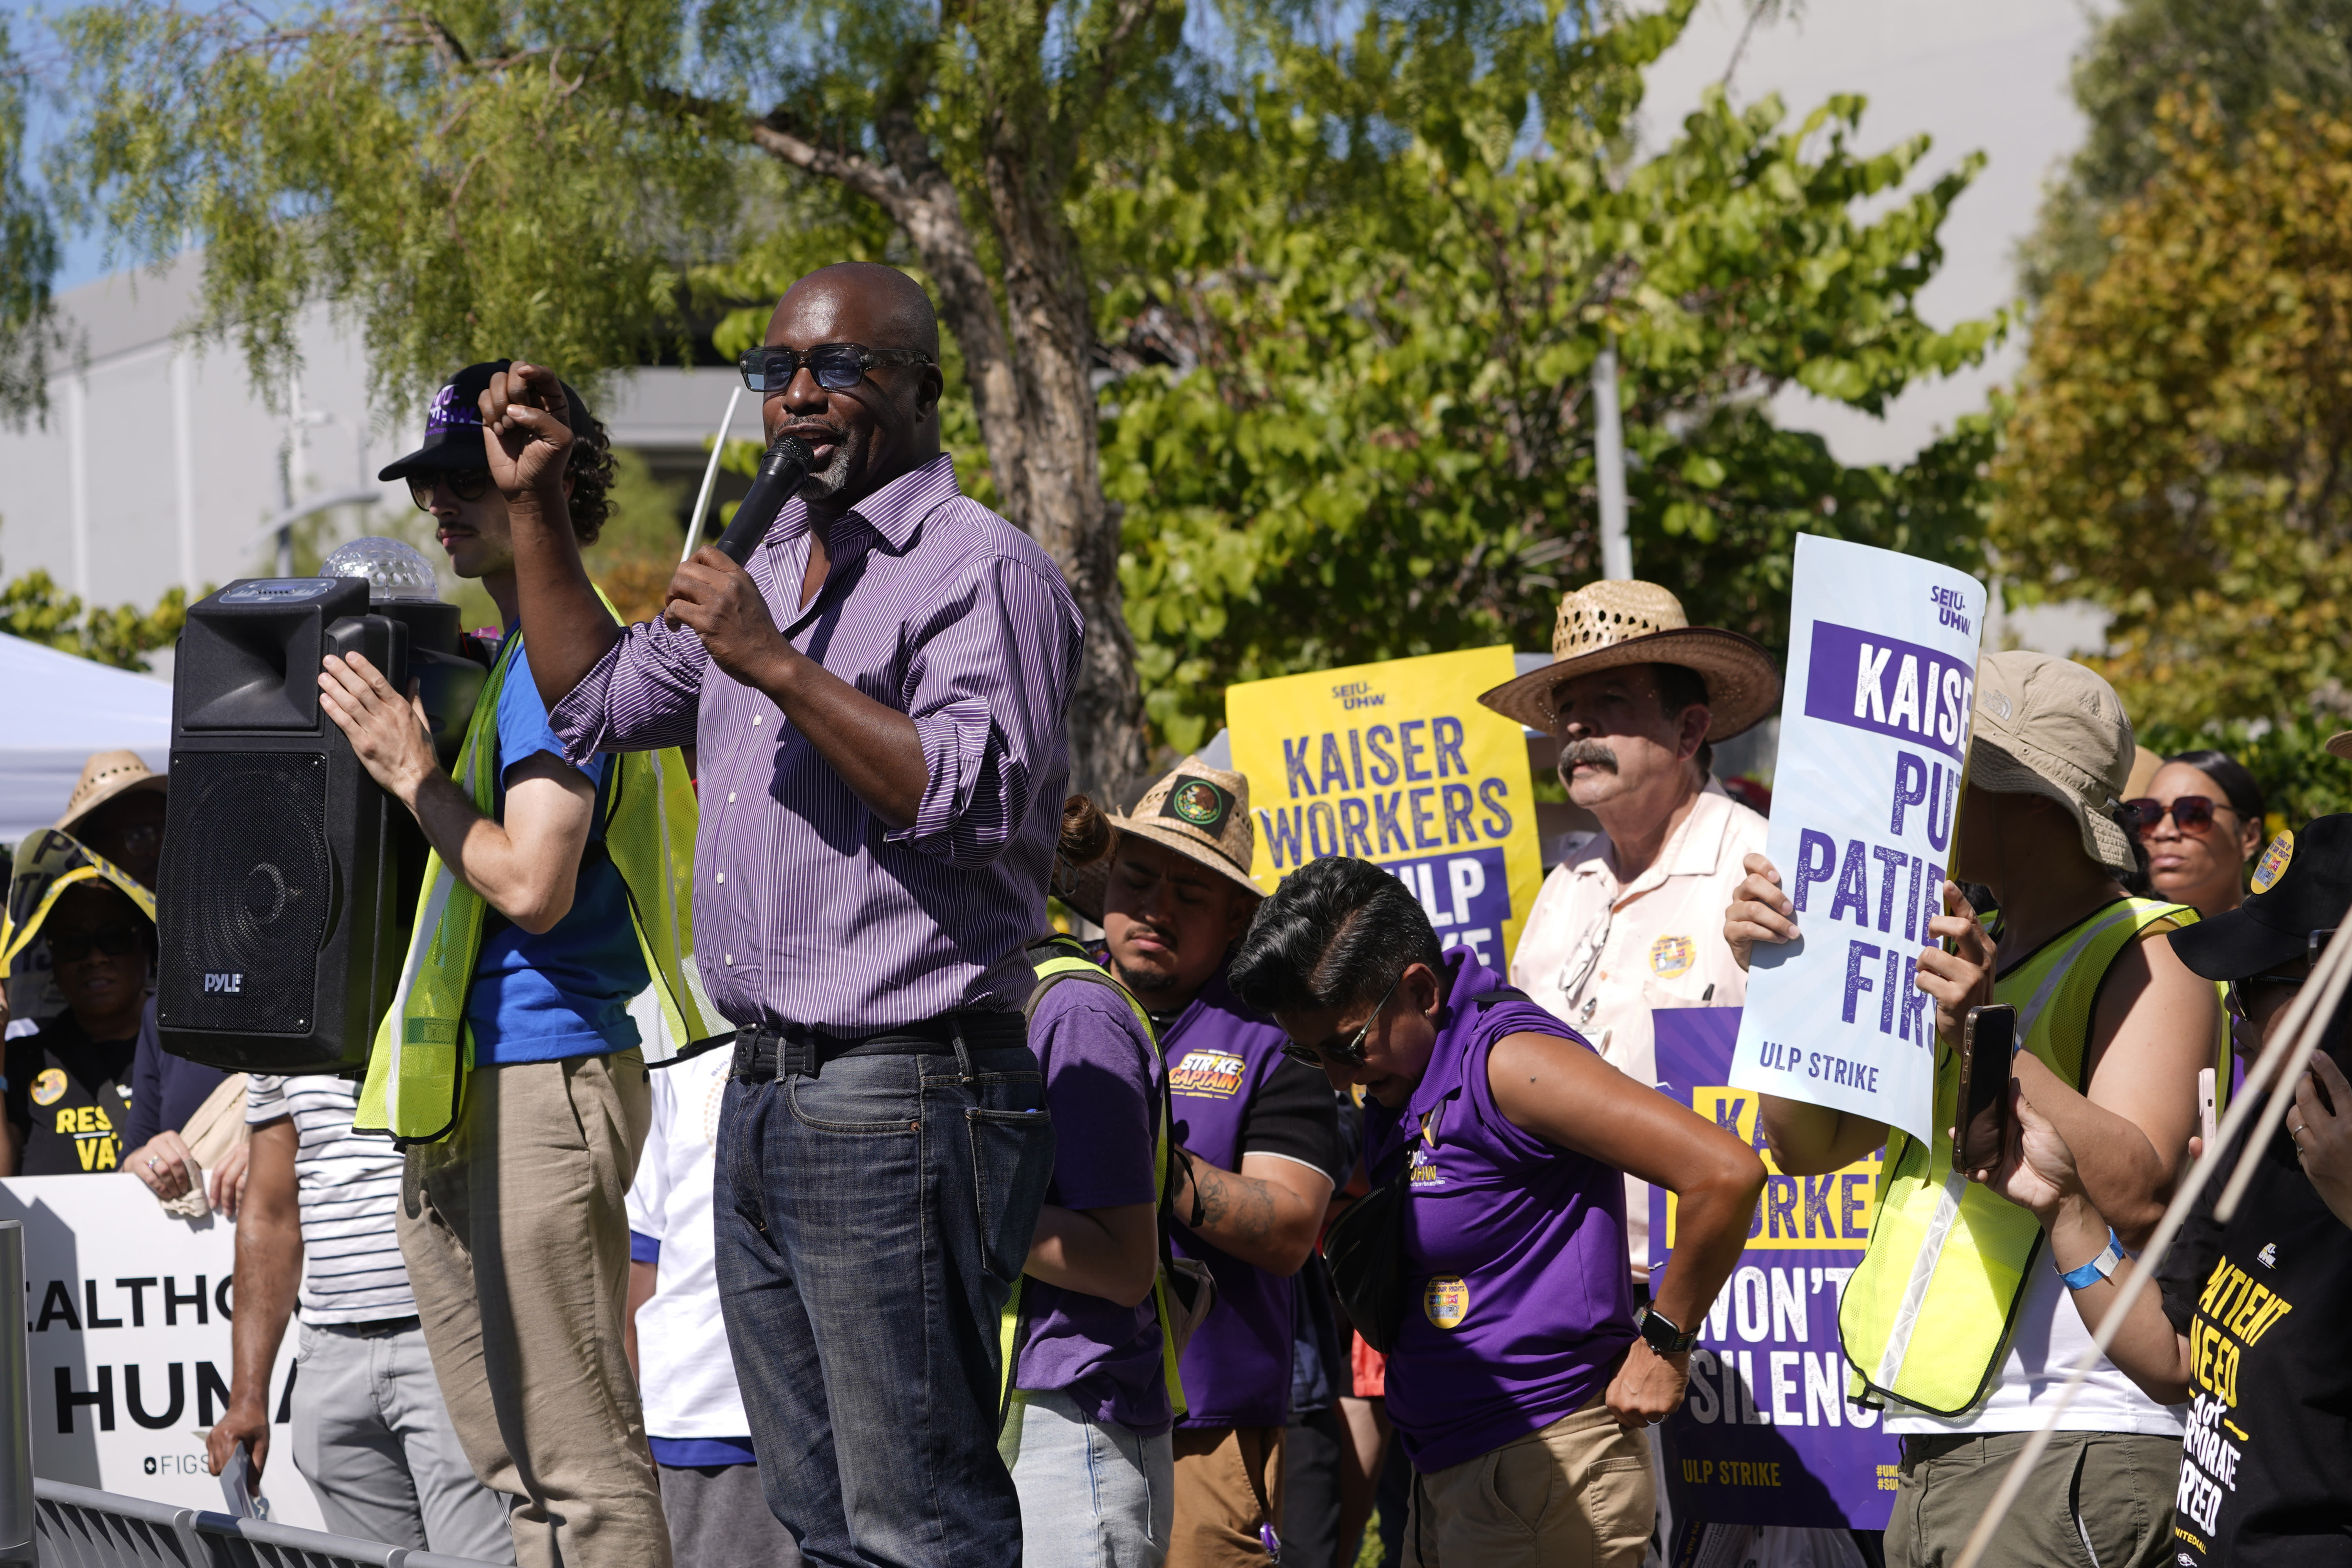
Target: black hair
x=1335 y=933
x=1681 y=688
x=592 y=472
x=2245 y=795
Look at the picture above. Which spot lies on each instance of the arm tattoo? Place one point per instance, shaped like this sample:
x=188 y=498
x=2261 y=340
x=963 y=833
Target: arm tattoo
x=1236 y=1205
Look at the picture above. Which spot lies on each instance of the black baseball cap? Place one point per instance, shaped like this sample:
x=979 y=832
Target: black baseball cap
x=453 y=425
x=2302 y=884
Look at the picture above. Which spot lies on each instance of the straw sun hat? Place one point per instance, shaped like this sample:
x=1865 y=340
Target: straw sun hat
x=1609 y=624
x=1199 y=811
x=104 y=777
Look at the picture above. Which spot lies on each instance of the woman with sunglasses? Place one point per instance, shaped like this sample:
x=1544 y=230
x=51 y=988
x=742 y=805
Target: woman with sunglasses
x=2246 y=1326
x=1521 y=1376
x=69 y=1082
x=2199 y=824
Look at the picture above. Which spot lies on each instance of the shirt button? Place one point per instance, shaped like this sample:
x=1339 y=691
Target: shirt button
x=730 y=960
x=731 y=796
x=722 y=878
x=755 y=720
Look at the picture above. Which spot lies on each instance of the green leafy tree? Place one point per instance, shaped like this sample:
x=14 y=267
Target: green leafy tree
x=2238 y=54
x=30 y=336
x=35 y=608
x=2183 y=439
x=1377 y=299
x=497 y=176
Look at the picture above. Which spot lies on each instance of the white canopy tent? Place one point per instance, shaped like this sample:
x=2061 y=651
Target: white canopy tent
x=56 y=710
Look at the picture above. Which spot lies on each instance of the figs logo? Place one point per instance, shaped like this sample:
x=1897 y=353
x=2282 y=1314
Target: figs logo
x=230 y=985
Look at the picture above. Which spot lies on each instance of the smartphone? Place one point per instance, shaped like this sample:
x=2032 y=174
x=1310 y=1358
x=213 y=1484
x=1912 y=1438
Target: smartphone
x=236 y=1483
x=1988 y=1041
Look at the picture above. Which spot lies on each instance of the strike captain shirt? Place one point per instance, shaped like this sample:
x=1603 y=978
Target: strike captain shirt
x=2263 y=1302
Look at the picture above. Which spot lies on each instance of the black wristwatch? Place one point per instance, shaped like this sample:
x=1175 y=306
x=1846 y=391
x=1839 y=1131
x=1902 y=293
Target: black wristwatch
x=1660 y=1334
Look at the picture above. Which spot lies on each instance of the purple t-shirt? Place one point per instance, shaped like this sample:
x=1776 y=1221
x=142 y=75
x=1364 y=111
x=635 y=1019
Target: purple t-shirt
x=1221 y=1056
x=1102 y=1087
x=1514 y=1247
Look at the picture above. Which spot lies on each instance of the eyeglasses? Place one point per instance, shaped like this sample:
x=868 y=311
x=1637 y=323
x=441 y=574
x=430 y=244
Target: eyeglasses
x=1351 y=1054
x=466 y=483
x=114 y=941
x=2189 y=813
x=837 y=367
x=2234 y=994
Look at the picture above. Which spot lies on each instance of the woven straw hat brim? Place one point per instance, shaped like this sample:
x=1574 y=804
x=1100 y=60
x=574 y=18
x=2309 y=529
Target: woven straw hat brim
x=1088 y=893
x=2340 y=744
x=1991 y=768
x=112 y=789
x=1742 y=688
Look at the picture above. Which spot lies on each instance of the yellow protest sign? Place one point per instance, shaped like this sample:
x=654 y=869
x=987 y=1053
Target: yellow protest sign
x=1396 y=763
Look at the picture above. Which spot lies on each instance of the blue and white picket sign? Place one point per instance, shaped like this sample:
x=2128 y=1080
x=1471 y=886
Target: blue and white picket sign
x=1874 y=734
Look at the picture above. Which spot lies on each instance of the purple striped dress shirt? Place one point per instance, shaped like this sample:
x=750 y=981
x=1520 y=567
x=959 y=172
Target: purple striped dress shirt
x=807 y=909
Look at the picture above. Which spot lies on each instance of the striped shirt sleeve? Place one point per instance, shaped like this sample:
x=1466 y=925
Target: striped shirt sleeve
x=984 y=690
x=644 y=695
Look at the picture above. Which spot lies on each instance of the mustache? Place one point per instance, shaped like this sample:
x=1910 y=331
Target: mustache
x=1583 y=753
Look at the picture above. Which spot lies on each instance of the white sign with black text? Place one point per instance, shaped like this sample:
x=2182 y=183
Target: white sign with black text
x=128 y=1313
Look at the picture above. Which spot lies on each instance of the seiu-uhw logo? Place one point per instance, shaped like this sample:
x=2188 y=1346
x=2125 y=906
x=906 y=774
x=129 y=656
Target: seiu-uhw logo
x=230 y=985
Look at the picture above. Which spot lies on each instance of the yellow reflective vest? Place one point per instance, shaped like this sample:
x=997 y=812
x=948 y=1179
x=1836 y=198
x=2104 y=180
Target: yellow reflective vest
x=1927 y=1317
x=416 y=1070
x=1056 y=959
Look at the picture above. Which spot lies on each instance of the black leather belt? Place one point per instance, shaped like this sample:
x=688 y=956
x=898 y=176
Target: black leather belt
x=377 y=1329
x=761 y=1054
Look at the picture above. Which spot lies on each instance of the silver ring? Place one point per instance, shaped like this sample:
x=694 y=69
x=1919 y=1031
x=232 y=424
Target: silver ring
x=152 y=1164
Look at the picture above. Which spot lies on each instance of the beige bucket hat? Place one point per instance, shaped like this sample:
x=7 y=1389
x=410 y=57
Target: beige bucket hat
x=2046 y=726
x=1201 y=812
x=103 y=776
x=1608 y=625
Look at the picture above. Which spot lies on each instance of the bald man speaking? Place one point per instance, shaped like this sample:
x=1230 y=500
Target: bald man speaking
x=879 y=695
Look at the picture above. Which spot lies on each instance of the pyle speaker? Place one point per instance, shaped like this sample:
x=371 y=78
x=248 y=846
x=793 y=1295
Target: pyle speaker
x=280 y=936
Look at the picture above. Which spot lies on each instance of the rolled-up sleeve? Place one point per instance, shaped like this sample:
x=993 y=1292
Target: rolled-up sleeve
x=989 y=689
x=644 y=695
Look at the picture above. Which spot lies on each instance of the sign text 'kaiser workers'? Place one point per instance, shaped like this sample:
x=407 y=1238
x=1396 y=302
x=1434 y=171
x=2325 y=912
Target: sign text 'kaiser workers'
x=1396 y=763
x=1882 y=683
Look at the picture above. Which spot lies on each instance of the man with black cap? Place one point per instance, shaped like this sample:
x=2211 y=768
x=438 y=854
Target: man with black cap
x=512 y=1219
x=2247 y=1324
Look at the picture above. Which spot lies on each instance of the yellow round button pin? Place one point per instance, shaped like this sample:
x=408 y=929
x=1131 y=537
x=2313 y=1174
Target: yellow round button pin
x=1446 y=1301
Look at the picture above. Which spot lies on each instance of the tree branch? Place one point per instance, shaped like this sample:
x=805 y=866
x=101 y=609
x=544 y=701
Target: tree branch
x=882 y=186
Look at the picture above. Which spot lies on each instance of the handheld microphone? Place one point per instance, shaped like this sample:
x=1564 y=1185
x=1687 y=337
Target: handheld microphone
x=785 y=465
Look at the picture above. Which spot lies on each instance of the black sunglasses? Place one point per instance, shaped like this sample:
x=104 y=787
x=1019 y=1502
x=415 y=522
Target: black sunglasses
x=114 y=941
x=1351 y=1054
x=2189 y=813
x=466 y=483
x=837 y=367
x=2235 y=996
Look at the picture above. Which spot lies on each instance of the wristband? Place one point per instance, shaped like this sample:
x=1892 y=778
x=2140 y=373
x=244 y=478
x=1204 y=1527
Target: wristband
x=2100 y=1268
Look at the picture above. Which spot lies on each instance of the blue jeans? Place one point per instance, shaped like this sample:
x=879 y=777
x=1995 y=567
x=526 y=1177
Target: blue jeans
x=870 y=1219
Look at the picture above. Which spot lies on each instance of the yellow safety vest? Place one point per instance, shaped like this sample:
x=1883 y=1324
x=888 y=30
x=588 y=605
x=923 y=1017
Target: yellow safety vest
x=1928 y=1316
x=424 y=1047
x=1059 y=958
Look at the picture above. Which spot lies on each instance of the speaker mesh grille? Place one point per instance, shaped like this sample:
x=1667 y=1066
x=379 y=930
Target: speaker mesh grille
x=246 y=904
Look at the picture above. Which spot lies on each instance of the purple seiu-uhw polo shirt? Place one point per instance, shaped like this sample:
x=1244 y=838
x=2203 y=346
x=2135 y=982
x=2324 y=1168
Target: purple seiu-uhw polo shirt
x=1515 y=1248
x=1102 y=1086
x=1237 y=1368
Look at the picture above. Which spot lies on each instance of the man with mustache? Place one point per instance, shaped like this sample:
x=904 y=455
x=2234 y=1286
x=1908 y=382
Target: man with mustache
x=1628 y=921
x=879 y=697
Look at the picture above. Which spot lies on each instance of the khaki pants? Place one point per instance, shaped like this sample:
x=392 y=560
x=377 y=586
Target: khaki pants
x=1579 y=1492
x=1217 y=1516
x=517 y=1249
x=2102 y=1498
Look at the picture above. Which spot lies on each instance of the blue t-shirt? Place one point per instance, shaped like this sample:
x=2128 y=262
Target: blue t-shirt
x=544 y=998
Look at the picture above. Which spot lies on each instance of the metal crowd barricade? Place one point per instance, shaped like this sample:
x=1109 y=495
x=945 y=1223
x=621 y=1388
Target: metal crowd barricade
x=61 y=1526
x=79 y=1527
